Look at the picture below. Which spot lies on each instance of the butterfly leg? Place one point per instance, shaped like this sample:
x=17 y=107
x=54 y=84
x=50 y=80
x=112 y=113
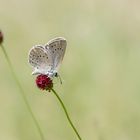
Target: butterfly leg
x=57 y=75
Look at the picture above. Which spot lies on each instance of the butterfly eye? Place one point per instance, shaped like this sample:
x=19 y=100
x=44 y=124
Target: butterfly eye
x=56 y=74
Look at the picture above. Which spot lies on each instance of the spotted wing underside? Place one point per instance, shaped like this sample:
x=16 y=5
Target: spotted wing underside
x=56 y=47
x=40 y=59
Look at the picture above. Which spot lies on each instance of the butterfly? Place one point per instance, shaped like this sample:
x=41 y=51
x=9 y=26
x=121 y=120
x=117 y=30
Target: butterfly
x=47 y=59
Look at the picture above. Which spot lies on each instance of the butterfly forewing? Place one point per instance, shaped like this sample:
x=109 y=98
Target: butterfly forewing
x=56 y=48
x=40 y=59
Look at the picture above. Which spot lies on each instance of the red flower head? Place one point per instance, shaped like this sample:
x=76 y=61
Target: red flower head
x=44 y=82
x=1 y=37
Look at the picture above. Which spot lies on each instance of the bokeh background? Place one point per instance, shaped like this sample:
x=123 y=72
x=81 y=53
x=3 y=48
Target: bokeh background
x=100 y=70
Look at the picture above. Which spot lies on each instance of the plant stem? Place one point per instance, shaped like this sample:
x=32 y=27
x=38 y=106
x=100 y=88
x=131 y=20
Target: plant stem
x=67 y=115
x=22 y=93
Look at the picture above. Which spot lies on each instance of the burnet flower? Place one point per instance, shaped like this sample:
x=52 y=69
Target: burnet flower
x=45 y=60
x=44 y=82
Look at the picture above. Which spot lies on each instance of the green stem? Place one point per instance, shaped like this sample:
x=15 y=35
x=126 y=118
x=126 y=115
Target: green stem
x=22 y=93
x=67 y=115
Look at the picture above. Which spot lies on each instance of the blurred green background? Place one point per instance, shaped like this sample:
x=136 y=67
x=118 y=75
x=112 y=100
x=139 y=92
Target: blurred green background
x=101 y=69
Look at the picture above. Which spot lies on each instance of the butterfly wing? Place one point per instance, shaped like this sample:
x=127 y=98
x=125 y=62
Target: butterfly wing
x=56 y=48
x=40 y=59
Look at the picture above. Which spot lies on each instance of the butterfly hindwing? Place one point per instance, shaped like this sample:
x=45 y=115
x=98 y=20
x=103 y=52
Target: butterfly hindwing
x=56 y=47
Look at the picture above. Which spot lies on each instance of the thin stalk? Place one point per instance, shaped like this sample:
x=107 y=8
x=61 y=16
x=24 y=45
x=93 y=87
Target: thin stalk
x=22 y=93
x=66 y=113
